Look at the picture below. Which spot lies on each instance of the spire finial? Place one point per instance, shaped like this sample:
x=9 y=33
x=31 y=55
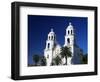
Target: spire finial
x=51 y=29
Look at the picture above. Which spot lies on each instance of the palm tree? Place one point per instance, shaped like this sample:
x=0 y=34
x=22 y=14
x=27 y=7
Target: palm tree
x=65 y=52
x=36 y=59
x=57 y=60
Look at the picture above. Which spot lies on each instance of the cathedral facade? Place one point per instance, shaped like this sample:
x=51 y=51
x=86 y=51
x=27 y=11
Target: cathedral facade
x=53 y=49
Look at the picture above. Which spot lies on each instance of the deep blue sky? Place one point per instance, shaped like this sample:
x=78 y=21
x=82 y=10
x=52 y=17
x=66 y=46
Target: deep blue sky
x=40 y=26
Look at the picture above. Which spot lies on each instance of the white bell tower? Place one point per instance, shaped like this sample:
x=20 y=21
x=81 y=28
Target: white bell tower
x=50 y=43
x=69 y=41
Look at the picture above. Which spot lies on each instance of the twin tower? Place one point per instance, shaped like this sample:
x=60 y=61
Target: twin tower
x=53 y=49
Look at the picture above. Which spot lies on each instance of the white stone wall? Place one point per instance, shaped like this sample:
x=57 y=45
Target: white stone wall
x=48 y=55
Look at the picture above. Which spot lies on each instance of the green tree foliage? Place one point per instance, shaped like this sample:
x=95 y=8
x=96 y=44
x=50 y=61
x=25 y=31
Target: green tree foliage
x=57 y=60
x=85 y=59
x=65 y=52
x=36 y=59
x=43 y=61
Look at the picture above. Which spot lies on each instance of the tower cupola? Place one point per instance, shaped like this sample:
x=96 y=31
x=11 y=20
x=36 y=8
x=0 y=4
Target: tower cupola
x=51 y=35
x=70 y=29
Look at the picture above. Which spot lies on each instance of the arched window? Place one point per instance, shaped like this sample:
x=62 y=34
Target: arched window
x=51 y=37
x=68 y=40
x=71 y=32
x=48 y=45
x=68 y=31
